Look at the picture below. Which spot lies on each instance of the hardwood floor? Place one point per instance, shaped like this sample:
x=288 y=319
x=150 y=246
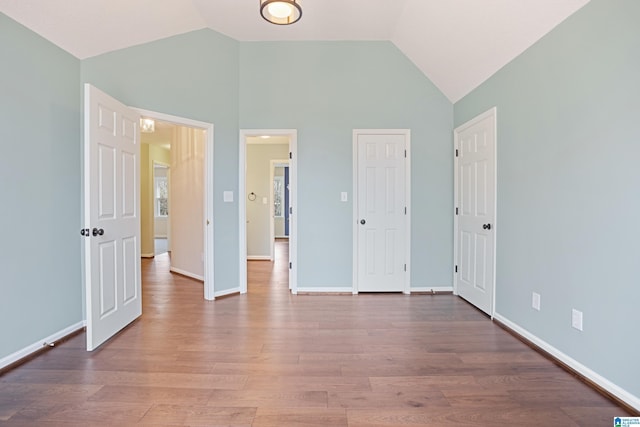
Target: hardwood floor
x=269 y=358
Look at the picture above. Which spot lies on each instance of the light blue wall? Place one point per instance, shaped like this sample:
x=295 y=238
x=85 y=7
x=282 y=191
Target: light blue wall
x=194 y=75
x=325 y=90
x=40 y=281
x=568 y=186
x=199 y=75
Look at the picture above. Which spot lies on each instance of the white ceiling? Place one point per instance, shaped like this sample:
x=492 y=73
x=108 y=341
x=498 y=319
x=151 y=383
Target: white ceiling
x=458 y=44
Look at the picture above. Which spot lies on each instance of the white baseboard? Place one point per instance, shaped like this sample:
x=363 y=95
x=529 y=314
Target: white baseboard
x=38 y=345
x=325 y=289
x=349 y=289
x=620 y=393
x=226 y=292
x=431 y=288
x=258 y=258
x=151 y=255
x=186 y=273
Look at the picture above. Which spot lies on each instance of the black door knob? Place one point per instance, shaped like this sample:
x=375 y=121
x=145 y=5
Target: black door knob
x=84 y=232
x=97 y=232
x=487 y=226
x=363 y=222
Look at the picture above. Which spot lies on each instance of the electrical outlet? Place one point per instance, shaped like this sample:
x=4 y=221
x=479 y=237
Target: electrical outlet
x=576 y=319
x=535 y=301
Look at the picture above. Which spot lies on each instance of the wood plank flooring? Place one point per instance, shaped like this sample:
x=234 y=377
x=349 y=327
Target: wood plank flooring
x=269 y=358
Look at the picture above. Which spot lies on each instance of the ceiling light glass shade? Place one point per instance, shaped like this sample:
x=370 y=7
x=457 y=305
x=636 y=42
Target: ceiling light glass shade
x=281 y=12
x=147 y=125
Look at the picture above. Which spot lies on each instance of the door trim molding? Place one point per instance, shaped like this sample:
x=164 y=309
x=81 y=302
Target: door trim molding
x=242 y=203
x=407 y=190
x=456 y=132
x=209 y=285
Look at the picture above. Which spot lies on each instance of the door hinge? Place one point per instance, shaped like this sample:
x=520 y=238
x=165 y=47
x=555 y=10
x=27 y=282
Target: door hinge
x=456 y=268
x=405 y=210
x=405 y=154
x=456 y=152
x=290 y=210
x=456 y=211
x=290 y=155
x=290 y=266
x=405 y=267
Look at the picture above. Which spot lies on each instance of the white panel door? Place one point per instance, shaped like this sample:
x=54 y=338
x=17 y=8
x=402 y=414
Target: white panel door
x=475 y=142
x=112 y=216
x=381 y=214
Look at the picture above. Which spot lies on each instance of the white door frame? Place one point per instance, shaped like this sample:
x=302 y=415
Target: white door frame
x=209 y=285
x=242 y=202
x=491 y=112
x=407 y=190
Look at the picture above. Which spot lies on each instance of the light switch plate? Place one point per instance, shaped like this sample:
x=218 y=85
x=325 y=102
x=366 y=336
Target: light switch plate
x=227 y=196
x=343 y=196
x=576 y=319
x=535 y=301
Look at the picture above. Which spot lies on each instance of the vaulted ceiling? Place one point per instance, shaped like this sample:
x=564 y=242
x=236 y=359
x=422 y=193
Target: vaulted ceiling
x=457 y=44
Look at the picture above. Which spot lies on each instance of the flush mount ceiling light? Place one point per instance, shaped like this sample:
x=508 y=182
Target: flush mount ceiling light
x=147 y=125
x=281 y=12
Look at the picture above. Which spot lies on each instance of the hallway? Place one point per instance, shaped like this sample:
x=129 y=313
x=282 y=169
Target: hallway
x=269 y=358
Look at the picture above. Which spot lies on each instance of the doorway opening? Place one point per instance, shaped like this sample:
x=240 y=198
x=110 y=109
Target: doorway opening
x=279 y=177
x=176 y=195
x=161 y=219
x=267 y=201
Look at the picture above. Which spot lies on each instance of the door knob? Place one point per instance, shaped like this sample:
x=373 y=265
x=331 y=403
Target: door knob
x=487 y=226
x=84 y=232
x=97 y=231
x=363 y=222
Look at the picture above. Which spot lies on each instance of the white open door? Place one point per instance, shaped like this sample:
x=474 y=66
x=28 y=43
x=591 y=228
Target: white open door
x=380 y=194
x=475 y=211
x=111 y=216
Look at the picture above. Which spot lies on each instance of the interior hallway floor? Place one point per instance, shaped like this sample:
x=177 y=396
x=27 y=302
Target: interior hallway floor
x=269 y=358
